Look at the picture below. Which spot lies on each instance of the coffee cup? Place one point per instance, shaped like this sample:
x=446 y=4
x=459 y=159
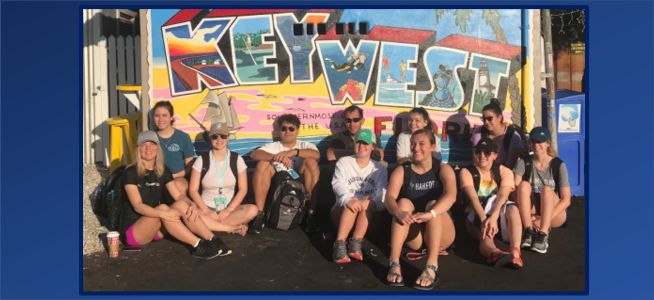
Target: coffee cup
x=113 y=240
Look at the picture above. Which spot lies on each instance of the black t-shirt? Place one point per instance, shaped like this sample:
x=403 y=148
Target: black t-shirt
x=151 y=188
x=345 y=140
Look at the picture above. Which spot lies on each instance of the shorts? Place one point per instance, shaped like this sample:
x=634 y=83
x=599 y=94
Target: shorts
x=131 y=241
x=502 y=224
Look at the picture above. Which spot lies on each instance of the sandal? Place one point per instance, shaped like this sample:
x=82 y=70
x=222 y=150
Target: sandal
x=415 y=255
x=499 y=258
x=517 y=262
x=425 y=276
x=391 y=265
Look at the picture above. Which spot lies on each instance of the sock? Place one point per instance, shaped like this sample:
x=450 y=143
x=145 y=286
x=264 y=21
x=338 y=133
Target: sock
x=197 y=244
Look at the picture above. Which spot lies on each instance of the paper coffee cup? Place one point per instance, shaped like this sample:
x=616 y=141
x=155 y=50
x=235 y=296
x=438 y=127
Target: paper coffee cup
x=113 y=240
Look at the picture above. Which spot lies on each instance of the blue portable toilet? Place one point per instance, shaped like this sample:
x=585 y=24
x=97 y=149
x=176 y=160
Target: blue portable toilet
x=571 y=135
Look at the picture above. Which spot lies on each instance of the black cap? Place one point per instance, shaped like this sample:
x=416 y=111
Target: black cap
x=539 y=134
x=486 y=145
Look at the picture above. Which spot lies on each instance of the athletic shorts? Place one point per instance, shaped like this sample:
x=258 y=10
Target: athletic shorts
x=131 y=241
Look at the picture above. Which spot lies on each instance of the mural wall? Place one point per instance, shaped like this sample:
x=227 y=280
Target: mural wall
x=315 y=62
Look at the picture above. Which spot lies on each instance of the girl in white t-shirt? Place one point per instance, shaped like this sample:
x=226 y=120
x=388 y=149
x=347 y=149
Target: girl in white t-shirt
x=418 y=119
x=359 y=185
x=221 y=198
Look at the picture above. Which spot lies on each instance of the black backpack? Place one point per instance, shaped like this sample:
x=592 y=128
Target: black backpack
x=511 y=129
x=435 y=167
x=206 y=161
x=110 y=199
x=287 y=202
x=555 y=166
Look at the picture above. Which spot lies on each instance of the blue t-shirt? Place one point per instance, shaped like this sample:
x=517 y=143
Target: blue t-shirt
x=176 y=149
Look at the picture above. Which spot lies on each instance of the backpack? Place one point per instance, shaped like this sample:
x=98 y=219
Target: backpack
x=287 y=202
x=110 y=199
x=435 y=167
x=511 y=129
x=206 y=161
x=555 y=166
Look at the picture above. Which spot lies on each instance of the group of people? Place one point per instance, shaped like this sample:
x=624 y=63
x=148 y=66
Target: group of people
x=514 y=197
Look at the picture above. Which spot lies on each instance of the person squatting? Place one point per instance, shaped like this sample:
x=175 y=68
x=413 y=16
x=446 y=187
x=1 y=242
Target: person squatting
x=507 y=196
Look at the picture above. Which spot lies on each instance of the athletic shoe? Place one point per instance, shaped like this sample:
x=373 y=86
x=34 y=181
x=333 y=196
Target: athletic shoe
x=340 y=252
x=205 y=250
x=257 y=224
x=527 y=237
x=540 y=244
x=354 y=249
x=220 y=245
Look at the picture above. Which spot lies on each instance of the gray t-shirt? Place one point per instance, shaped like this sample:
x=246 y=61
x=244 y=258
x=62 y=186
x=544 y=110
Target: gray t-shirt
x=540 y=178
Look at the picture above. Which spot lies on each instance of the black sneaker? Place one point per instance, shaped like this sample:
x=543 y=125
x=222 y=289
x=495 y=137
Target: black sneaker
x=205 y=250
x=527 y=237
x=257 y=224
x=217 y=243
x=540 y=243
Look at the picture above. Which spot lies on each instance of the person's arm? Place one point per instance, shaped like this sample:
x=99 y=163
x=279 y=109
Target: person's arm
x=143 y=209
x=339 y=183
x=503 y=191
x=469 y=191
x=392 y=193
x=448 y=197
x=381 y=182
x=242 y=191
x=310 y=151
x=194 y=188
x=403 y=149
x=261 y=155
x=565 y=193
x=518 y=171
x=335 y=154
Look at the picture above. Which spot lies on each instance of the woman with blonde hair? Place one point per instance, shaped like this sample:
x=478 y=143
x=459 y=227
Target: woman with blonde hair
x=145 y=215
x=543 y=191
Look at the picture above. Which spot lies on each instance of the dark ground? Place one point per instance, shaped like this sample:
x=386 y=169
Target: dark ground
x=295 y=261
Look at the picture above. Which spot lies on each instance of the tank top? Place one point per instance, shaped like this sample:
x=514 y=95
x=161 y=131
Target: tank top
x=423 y=187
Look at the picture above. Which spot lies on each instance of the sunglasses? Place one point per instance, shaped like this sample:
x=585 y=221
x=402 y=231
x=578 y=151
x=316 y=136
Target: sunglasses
x=222 y=136
x=350 y=120
x=488 y=118
x=486 y=153
x=289 y=128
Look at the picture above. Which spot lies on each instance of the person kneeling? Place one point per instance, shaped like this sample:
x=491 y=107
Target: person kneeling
x=359 y=185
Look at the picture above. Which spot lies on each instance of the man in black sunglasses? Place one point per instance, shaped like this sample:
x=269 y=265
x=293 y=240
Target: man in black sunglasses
x=287 y=153
x=342 y=143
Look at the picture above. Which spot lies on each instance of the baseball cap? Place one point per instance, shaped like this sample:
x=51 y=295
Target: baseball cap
x=148 y=136
x=486 y=144
x=364 y=135
x=539 y=134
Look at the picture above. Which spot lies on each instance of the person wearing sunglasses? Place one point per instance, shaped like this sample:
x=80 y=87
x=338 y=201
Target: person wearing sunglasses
x=486 y=185
x=418 y=119
x=342 y=143
x=493 y=126
x=146 y=215
x=176 y=145
x=223 y=186
x=287 y=153
x=359 y=184
x=419 y=196
x=543 y=191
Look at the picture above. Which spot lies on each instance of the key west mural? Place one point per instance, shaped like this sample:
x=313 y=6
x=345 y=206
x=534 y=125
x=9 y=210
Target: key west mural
x=316 y=62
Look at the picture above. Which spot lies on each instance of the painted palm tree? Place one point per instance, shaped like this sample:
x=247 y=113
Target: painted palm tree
x=492 y=19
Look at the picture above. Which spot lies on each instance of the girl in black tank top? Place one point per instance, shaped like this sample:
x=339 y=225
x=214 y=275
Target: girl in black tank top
x=421 y=188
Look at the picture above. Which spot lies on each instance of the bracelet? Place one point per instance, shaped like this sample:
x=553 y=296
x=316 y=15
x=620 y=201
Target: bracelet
x=433 y=213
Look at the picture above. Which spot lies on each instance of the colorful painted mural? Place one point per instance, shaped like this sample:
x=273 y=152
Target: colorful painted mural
x=315 y=62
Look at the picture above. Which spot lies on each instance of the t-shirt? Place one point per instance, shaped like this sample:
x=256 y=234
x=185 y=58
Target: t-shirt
x=151 y=188
x=506 y=159
x=345 y=140
x=176 y=149
x=211 y=186
x=404 y=146
x=350 y=180
x=540 y=178
x=276 y=147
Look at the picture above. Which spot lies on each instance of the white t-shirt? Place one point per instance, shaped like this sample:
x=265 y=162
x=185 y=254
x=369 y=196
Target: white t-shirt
x=404 y=146
x=350 y=180
x=211 y=186
x=276 y=147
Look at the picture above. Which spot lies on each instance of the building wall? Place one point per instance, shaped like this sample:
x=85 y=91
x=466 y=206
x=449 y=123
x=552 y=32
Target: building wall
x=314 y=63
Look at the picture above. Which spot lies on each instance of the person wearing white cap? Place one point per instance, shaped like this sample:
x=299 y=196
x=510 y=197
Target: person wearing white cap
x=221 y=175
x=359 y=185
x=142 y=219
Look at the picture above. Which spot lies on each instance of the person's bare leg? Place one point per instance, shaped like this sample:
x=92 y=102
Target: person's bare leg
x=263 y=174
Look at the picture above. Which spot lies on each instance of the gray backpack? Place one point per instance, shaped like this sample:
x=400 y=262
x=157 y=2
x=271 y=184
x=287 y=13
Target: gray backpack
x=287 y=202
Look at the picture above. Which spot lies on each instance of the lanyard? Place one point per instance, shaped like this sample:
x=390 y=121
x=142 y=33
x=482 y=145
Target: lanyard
x=220 y=173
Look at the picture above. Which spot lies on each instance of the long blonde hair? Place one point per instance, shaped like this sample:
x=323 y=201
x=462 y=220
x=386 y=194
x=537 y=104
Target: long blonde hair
x=158 y=163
